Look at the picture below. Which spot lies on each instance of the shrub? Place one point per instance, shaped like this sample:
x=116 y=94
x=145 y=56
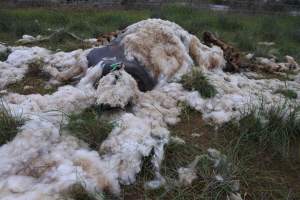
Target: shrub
x=195 y=80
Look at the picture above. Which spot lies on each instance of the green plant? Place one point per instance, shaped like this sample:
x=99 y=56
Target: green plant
x=291 y=94
x=195 y=80
x=4 y=55
x=9 y=123
x=89 y=127
x=272 y=127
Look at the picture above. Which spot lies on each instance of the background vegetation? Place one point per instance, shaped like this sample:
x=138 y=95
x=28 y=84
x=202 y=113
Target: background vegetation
x=242 y=30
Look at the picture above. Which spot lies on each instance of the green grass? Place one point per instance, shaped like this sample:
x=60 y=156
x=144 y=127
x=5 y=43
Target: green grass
x=271 y=127
x=89 y=127
x=9 y=123
x=4 y=55
x=196 y=81
x=290 y=94
x=241 y=30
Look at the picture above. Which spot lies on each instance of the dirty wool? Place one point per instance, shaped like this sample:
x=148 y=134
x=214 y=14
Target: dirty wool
x=43 y=160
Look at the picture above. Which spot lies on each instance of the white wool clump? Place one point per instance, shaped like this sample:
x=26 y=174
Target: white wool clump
x=273 y=66
x=188 y=174
x=26 y=39
x=117 y=89
x=167 y=50
x=21 y=56
x=131 y=140
x=177 y=140
x=10 y=74
x=64 y=66
x=15 y=67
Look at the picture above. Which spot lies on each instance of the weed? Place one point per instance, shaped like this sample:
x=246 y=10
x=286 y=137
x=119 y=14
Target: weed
x=290 y=94
x=195 y=80
x=88 y=127
x=9 y=123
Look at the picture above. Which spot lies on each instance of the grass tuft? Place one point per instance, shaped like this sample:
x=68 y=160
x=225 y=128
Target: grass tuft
x=9 y=123
x=88 y=127
x=195 y=80
x=78 y=192
x=290 y=94
x=4 y=55
x=271 y=127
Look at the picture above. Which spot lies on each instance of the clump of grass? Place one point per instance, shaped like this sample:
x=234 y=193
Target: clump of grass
x=78 y=192
x=218 y=175
x=245 y=41
x=288 y=93
x=31 y=27
x=9 y=123
x=196 y=80
x=4 y=55
x=271 y=127
x=89 y=127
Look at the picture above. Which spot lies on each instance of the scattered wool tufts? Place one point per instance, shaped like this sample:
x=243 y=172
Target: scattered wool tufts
x=188 y=174
x=272 y=66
